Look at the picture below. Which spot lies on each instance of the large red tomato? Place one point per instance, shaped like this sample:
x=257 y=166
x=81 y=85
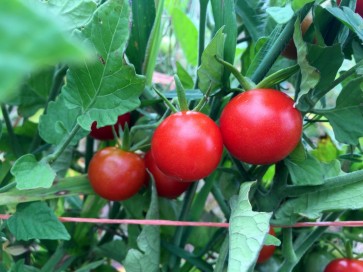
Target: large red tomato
x=261 y=126
x=187 y=145
x=344 y=265
x=358 y=7
x=115 y=174
x=105 y=133
x=166 y=186
x=266 y=251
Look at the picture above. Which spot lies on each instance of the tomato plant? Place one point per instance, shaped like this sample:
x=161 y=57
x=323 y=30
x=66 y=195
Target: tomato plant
x=106 y=133
x=166 y=186
x=266 y=251
x=116 y=174
x=261 y=126
x=344 y=265
x=187 y=145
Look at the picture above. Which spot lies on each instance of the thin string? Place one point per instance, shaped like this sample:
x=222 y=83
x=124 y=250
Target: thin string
x=195 y=224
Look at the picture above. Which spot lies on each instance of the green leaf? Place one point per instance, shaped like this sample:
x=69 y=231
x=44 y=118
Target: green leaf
x=337 y=193
x=247 y=232
x=281 y=15
x=349 y=18
x=90 y=266
x=186 y=34
x=147 y=256
x=225 y=16
x=58 y=123
x=306 y=172
x=107 y=88
x=72 y=14
x=36 y=220
x=253 y=16
x=24 y=29
x=271 y=240
x=348 y=107
x=185 y=78
x=326 y=151
x=30 y=174
x=115 y=250
x=298 y=4
x=20 y=266
x=142 y=23
x=211 y=71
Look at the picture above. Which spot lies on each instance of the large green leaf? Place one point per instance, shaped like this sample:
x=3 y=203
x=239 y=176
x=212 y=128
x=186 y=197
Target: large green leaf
x=142 y=23
x=36 y=220
x=31 y=39
x=186 y=34
x=348 y=107
x=107 y=88
x=73 y=14
x=211 y=71
x=247 y=231
x=337 y=193
x=348 y=17
x=147 y=257
x=30 y=174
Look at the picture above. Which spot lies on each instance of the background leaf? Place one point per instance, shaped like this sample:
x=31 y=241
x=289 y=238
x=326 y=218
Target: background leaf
x=30 y=174
x=26 y=28
x=348 y=107
x=210 y=71
x=187 y=35
x=247 y=231
x=36 y=220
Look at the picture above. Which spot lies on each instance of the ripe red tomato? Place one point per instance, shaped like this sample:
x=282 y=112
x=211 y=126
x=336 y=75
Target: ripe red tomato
x=266 y=251
x=358 y=7
x=105 y=133
x=166 y=186
x=261 y=126
x=115 y=174
x=187 y=145
x=344 y=265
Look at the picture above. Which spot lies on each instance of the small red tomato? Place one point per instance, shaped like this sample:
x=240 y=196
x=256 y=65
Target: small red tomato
x=166 y=186
x=187 y=145
x=115 y=174
x=105 y=133
x=358 y=7
x=266 y=251
x=344 y=265
x=261 y=126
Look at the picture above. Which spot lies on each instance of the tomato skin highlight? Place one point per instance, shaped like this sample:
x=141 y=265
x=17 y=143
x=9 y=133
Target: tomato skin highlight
x=115 y=174
x=187 y=145
x=344 y=265
x=261 y=126
x=105 y=133
x=166 y=186
x=266 y=251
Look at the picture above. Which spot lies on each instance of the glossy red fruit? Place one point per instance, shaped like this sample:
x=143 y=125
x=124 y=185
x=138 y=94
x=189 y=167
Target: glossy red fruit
x=261 y=126
x=105 y=133
x=358 y=7
x=344 y=265
x=187 y=145
x=166 y=186
x=266 y=251
x=115 y=174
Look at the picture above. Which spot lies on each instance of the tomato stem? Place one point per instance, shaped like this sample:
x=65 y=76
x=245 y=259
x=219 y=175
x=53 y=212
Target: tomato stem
x=182 y=99
x=245 y=82
x=166 y=101
x=203 y=101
